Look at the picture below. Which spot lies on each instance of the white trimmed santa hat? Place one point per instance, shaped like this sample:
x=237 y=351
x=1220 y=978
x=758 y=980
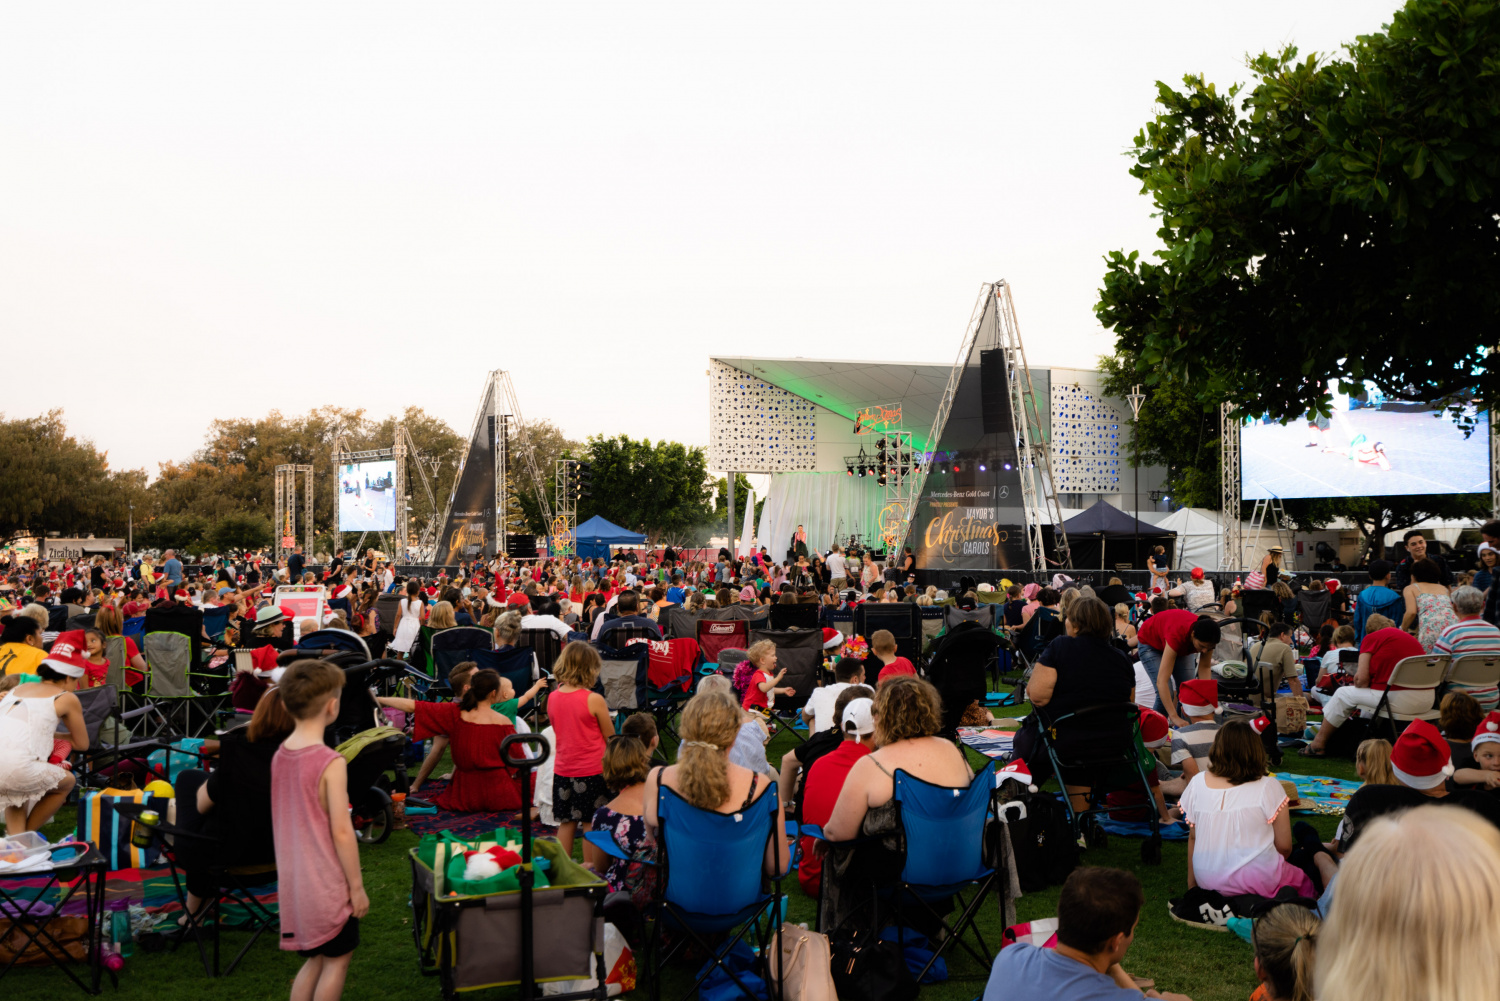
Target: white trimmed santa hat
x=1488 y=730
x=832 y=638
x=1155 y=730
x=1421 y=758
x=1199 y=697
x=1016 y=771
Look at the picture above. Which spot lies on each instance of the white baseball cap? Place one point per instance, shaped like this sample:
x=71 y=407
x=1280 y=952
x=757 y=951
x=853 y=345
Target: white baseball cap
x=857 y=718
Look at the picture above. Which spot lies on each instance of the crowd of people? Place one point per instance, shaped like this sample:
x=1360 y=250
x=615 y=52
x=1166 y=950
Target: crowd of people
x=275 y=783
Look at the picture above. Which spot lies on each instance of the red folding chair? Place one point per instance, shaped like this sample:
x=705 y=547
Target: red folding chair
x=715 y=635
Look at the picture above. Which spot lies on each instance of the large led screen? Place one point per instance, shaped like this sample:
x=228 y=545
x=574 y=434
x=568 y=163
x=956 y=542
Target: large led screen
x=367 y=497
x=1369 y=446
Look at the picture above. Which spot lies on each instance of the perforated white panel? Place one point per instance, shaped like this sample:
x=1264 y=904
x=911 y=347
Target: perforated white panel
x=754 y=427
x=1086 y=439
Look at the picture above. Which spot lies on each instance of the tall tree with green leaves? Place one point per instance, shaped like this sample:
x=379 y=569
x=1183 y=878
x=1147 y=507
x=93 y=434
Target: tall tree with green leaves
x=659 y=489
x=1337 y=221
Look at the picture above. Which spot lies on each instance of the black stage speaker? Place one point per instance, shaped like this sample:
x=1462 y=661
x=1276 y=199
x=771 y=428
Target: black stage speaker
x=993 y=400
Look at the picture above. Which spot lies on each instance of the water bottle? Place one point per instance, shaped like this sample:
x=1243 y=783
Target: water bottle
x=119 y=933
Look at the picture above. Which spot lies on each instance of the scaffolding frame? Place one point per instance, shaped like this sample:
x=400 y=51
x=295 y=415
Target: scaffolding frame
x=1229 y=489
x=287 y=518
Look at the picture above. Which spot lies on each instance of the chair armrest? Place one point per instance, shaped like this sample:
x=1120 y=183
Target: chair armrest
x=606 y=844
x=133 y=713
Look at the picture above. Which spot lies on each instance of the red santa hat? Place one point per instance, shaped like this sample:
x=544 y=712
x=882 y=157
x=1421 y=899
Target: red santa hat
x=1016 y=771
x=181 y=594
x=1141 y=596
x=1333 y=584
x=1488 y=730
x=1260 y=723
x=832 y=638
x=67 y=655
x=1199 y=697
x=1154 y=728
x=1421 y=758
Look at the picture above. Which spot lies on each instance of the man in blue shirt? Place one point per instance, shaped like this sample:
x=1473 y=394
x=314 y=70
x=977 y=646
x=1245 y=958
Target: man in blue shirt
x=675 y=594
x=1378 y=597
x=1096 y=918
x=172 y=568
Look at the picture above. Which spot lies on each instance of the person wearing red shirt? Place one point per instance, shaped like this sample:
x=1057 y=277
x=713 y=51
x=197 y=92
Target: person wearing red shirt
x=825 y=779
x=1383 y=648
x=1174 y=646
x=883 y=661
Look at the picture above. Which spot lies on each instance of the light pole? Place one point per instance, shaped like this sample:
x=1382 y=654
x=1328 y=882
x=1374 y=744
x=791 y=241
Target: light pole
x=1135 y=399
x=130 y=531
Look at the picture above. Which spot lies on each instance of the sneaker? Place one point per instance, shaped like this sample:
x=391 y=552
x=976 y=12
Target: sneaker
x=1207 y=909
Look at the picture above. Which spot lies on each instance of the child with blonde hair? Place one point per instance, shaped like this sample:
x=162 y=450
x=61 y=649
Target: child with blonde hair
x=581 y=723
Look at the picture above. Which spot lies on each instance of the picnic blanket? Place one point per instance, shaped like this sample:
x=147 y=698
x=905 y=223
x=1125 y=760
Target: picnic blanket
x=1323 y=794
x=990 y=743
x=1142 y=828
x=468 y=826
x=149 y=888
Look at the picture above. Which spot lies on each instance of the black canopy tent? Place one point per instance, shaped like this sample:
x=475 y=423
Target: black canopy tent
x=1104 y=536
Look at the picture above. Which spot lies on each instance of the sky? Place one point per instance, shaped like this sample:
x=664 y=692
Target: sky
x=216 y=210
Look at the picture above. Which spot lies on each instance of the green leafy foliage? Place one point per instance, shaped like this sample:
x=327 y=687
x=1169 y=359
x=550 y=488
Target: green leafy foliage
x=1376 y=517
x=1174 y=431
x=1336 y=223
x=659 y=489
x=51 y=481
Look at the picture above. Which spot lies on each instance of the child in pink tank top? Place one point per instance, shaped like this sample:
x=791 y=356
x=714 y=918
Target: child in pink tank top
x=581 y=724
x=322 y=895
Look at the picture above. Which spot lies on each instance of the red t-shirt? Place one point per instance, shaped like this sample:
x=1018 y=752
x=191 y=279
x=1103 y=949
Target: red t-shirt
x=820 y=793
x=1169 y=628
x=898 y=666
x=754 y=697
x=1386 y=647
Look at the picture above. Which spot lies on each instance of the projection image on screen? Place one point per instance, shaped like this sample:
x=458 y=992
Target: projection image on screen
x=1370 y=446
x=367 y=497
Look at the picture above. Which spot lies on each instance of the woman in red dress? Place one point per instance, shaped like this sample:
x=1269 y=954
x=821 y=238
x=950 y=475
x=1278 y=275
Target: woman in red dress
x=482 y=783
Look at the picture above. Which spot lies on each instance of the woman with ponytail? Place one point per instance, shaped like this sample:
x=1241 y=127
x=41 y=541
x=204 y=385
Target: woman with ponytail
x=705 y=777
x=481 y=781
x=1285 y=939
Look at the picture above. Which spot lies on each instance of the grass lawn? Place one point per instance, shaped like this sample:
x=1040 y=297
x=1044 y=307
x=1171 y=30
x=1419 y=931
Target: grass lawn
x=1208 y=966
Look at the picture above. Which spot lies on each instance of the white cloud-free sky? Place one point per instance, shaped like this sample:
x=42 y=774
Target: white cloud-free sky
x=215 y=210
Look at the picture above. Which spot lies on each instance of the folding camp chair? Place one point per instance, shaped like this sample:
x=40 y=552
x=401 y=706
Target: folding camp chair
x=617 y=674
x=1100 y=747
x=1474 y=670
x=324 y=642
x=800 y=653
x=712 y=903
x=450 y=647
x=903 y=620
x=1422 y=673
x=944 y=830
x=798 y=616
x=186 y=695
x=385 y=613
x=721 y=634
x=518 y=664
x=665 y=678
x=547 y=645
x=234 y=884
x=215 y=621
x=135 y=628
x=105 y=725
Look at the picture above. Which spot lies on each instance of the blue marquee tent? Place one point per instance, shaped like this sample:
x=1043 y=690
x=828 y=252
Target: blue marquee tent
x=593 y=538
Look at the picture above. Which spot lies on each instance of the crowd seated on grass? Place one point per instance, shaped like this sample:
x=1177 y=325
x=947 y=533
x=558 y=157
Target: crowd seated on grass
x=1430 y=790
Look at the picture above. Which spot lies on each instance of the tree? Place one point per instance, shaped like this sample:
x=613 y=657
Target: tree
x=1175 y=431
x=240 y=533
x=658 y=489
x=1339 y=223
x=1377 y=517
x=186 y=533
x=51 y=481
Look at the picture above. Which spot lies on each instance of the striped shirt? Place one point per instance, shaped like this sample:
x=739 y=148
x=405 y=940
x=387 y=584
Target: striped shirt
x=1194 y=741
x=1472 y=636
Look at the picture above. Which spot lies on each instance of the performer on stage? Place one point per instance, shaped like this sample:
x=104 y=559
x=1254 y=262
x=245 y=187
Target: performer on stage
x=799 y=544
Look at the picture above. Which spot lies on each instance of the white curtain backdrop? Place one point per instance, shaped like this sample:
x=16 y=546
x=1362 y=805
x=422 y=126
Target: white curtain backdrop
x=830 y=506
x=747 y=542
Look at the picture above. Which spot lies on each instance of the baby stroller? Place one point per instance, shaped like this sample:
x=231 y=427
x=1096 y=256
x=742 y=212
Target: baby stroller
x=372 y=748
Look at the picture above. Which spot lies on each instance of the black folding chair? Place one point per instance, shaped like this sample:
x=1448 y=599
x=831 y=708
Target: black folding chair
x=1100 y=747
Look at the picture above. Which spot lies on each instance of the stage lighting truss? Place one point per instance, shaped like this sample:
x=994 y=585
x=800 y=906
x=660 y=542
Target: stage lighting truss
x=573 y=482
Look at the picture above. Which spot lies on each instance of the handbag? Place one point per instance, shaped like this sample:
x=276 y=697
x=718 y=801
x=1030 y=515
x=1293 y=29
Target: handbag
x=1291 y=714
x=870 y=969
x=804 y=965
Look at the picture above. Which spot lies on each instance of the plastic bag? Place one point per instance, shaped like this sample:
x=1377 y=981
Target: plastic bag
x=619 y=964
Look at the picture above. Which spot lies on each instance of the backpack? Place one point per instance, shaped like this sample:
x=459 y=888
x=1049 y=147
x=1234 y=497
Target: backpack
x=1046 y=850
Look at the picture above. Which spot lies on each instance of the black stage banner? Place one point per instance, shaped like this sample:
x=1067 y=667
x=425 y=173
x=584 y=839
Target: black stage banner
x=470 y=528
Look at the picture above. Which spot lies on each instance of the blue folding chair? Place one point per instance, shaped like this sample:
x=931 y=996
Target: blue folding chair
x=705 y=898
x=933 y=816
x=451 y=647
x=944 y=832
x=215 y=621
x=135 y=628
x=515 y=663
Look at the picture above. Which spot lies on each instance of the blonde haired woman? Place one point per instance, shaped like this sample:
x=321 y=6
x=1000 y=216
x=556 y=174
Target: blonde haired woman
x=1415 y=911
x=441 y=616
x=708 y=780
